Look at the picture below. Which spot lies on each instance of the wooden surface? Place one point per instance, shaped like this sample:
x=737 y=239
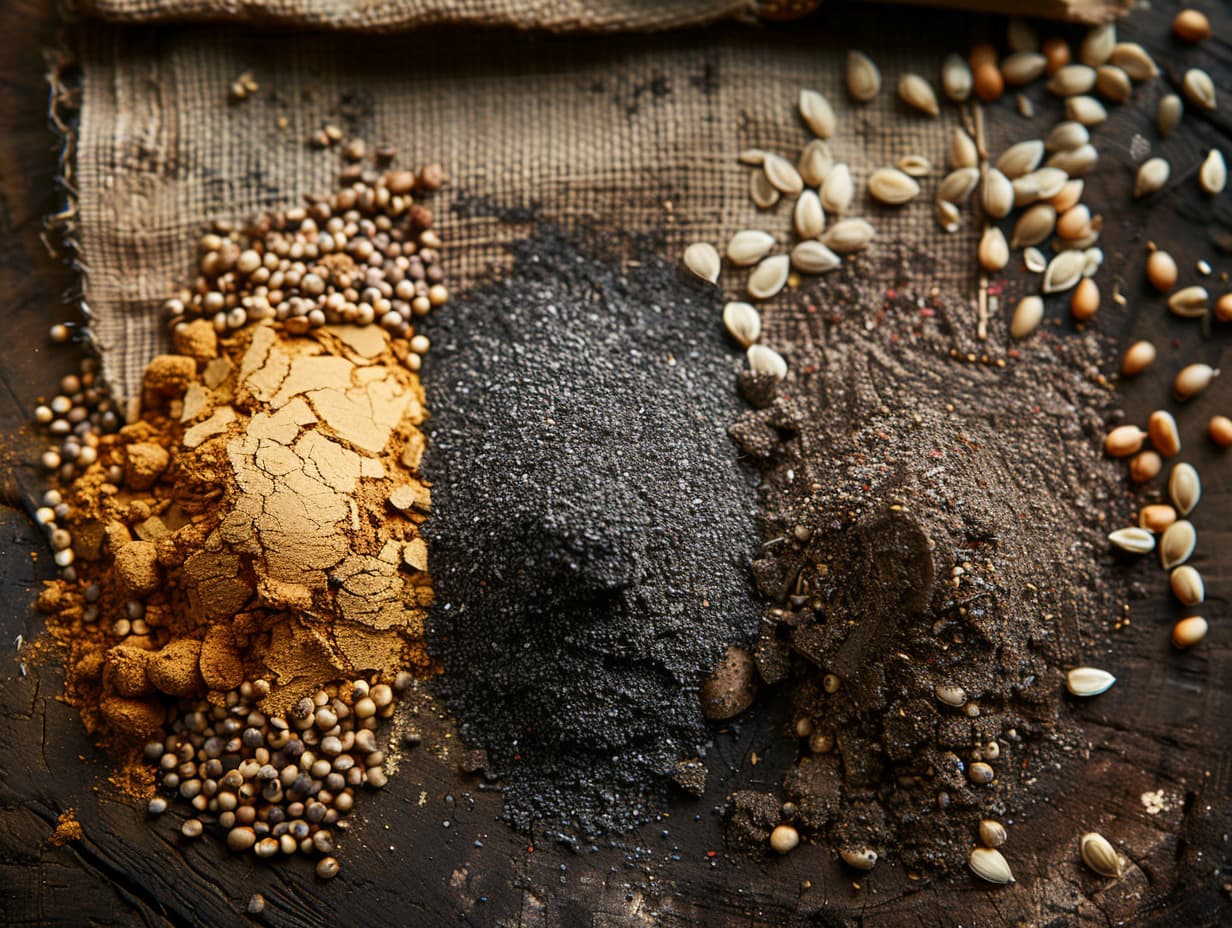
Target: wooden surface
x=429 y=849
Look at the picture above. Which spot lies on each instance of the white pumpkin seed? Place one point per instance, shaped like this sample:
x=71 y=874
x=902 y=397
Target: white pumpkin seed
x=1093 y=260
x=956 y=186
x=838 y=190
x=782 y=174
x=1072 y=80
x=1026 y=189
x=1097 y=45
x=1133 y=540
x=1199 y=89
x=808 y=218
x=892 y=186
x=948 y=216
x=769 y=277
x=915 y=166
x=1187 y=586
x=761 y=191
x=1075 y=163
x=918 y=93
x=1034 y=226
x=997 y=194
x=863 y=77
x=1177 y=544
x=752 y=156
x=1034 y=260
x=1134 y=60
x=950 y=695
x=848 y=235
x=743 y=323
x=814 y=258
x=1213 y=175
x=963 y=153
x=815 y=162
x=1113 y=84
x=749 y=246
x=1064 y=271
x=1192 y=380
x=1088 y=681
x=1027 y=316
x=1048 y=181
x=702 y=260
x=1168 y=114
x=1152 y=176
x=817 y=113
x=1066 y=136
x=763 y=360
x=1184 y=487
x=1023 y=67
x=956 y=78
x=989 y=864
x=1021 y=159
x=1099 y=855
x=993 y=252
x=1189 y=302
x=861 y=858
x=1086 y=110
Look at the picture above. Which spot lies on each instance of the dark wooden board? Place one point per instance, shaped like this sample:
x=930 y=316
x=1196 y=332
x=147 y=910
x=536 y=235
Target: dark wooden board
x=430 y=850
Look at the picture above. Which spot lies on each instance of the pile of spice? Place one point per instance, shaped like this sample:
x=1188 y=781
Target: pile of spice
x=591 y=529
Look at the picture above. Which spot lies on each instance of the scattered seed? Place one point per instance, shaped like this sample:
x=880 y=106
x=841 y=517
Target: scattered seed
x=1084 y=303
x=989 y=84
x=1156 y=517
x=918 y=93
x=762 y=191
x=915 y=166
x=1034 y=261
x=1026 y=189
x=1220 y=430
x=1072 y=80
x=327 y=868
x=1113 y=84
x=1184 y=487
x=1213 y=175
x=1133 y=540
x=1026 y=109
x=1203 y=267
x=1168 y=114
x=1093 y=260
x=963 y=153
x=817 y=113
x=1074 y=223
x=1134 y=60
x=769 y=277
x=1088 y=681
x=989 y=864
x=1145 y=466
x=994 y=251
x=948 y=216
x=1199 y=89
x=1189 y=302
x=1034 y=226
x=1161 y=426
x=752 y=156
x=891 y=186
x=702 y=260
x=1161 y=271
x=812 y=257
x=1192 y=380
x=992 y=833
x=1191 y=26
x=848 y=235
x=1086 y=110
x=997 y=194
x=1124 y=440
x=763 y=360
x=1152 y=176
x=807 y=217
x=782 y=174
x=1099 y=855
x=838 y=190
x=1021 y=159
x=1063 y=271
x=956 y=186
x=1223 y=308
x=1177 y=543
x=743 y=323
x=980 y=773
x=1189 y=631
x=1021 y=36
x=1056 y=50
x=952 y=696
x=956 y=78
x=1027 y=316
x=1023 y=67
x=859 y=858
x=1097 y=45
x=1187 y=586
x=1066 y=136
x=749 y=246
x=784 y=839
x=815 y=162
x=863 y=77
x=1075 y=163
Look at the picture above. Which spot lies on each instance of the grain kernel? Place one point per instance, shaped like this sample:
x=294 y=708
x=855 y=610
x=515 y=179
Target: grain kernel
x=1164 y=434
x=1191 y=26
x=1138 y=357
x=1188 y=632
x=1156 y=517
x=1220 y=430
x=1124 y=440
x=1161 y=270
x=1056 y=50
x=1085 y=301
x=989 y=84
x=1145 y=466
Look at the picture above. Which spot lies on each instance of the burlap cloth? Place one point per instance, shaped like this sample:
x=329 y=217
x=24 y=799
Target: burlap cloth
x=633 y=132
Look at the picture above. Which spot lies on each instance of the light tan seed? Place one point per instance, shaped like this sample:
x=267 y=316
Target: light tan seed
x=1138 y=357
x=1192 y=380
x=1086 y=110
x=743 y=323
x=814 y=258
x=1021 y=159
x=953 y=696
x=817 y=113
x=1177 y=544
x=989 y=864
x=1075 y=163
x=848 y=235
x=997 y=194
x=1133 y=540
x=1084 y=303
x=1099 y=855
x=1021 y=36
x=752 y=156
x=1064 y=271
x=1027 y=316
x=761 y=191
x=749 y=246
x=1094 y=259
x=1223 y=308
x=769 y=277
x=1184 y=487
x=1124 y=440
x=1033 y=260
x=863 y=77
x=1072 y=80
x=1161 y=271
x=1189 y=631
x=963 y=153
x=1074 y=223
x=1066 y=136
x=1113 y=84
x=1213 y=175
x=956 y=79
x=1168 y=114
x=702 y=260
x=763 y=360
x=861 y=858
x=815 y=162
x=1187 y=586
x=980 y=773
x=808 y=218
x=838 y=190
x=1134 y=60
x=1220 y=431
x=1097 y=45
x=892 y=187
x=1189 y=302
x=915 y=166
x=1156 y=517
x=1023 y=68
x=782 y=174
x=1048 y=181
x=1191 y=26
x=1152 y=176
x=1199 y=89
x=784 y=839
x=1026 y=189
x=1026 y=109
x=1069 y=195
x=918 y=93
x=1088 y=681
x=993 y=252
x=956 y=186
x=992 y=833
x=1165 y=436
x=948 y=216
x=1145 y=466
x=1034 y=226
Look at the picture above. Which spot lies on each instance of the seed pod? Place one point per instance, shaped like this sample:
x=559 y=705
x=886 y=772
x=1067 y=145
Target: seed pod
x=749 y=246
x=742 y=322
x=812 y=257
x=1088 y=681
x=1145 y=466
x=915 y=165
x=815 y=162
x=989 y=84
x=847 y=236
x=1156 y=517
x=1027 y=316
x=863 y=77
x=1066 y=136
x=1072 y=80
x=956 y=186
x=1220 y=430
x=1191 y=26
x=808 y=218
x=918 y=93
x=817 y=113
x=861 y=858
x=1075 y=163
x=956 y=78
x=763 y=360
x=1184 y=487
x=1124 y=440
x=1099 y=855
x=963 y=153
x=1199 y=89
x=1084 y=303
x=997 y=194
x=1021 y=159
x=1097 y=45
x=1192 y=380
x=838 y=190
x=892 y=187
x=1152 y=176
x=1168 y=114
x=702 y=260
x=761 y=191
x=782 y=174
x=947 y=215
x=1134 y=60
x=1086 y=110
x=992 y=833
x=1133 y=540
x=1161 y=271
x=1070 y=194
x=1213 y=175
x=1113 y=84
x=1023 y=67
x=1033 y=260
x=1034 y=225
x=1188 y=632
x=1161 y=426
x=952 y=696
x=1177 y=544
x=769 y=277
x=1064 y=271
x=993 y=252
x=988 y=864
x=1187 y=586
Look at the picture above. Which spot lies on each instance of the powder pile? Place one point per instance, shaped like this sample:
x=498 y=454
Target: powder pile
x=591 y=529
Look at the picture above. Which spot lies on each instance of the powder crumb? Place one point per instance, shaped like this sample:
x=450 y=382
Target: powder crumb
x=67 y=829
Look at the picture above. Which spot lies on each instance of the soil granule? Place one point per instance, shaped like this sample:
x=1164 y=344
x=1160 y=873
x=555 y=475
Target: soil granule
x=592 y=529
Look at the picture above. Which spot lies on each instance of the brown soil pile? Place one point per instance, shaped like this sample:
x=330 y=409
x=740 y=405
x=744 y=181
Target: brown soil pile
x=933 y=520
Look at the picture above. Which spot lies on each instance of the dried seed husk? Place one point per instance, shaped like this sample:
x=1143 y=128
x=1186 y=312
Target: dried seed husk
x=1124 y=440
x=1213 y=175
x=993 y=252
x=1156 y=517
x=763 y=360
x=743 y=323
x=1177 y=544
x=1133 y=540
x=1189 y=302
x=997 y=194
x=1086 y=110
x=956 y=186
x=752 y=156
x=1070 y=193
x=1093 y=260
x=963 y=153
x=1075 y=163
x=1192 y=380
x=808 y=218
x=891 y=186
x=848 y=235
x=915 y=165
x=814 y=258
x=1021 y=159
x=1084 y=303
x=1023 y=67
x=1161 y=271
x=1134 y=60
x=1027 y=316
x=1189 y=631
x=702 y=260
x=950 y=695
x=1184 y=486
x=768 y=277
x=1064 y=271
x=948 y=216
x=989 y=864
x=815 y=162
x=1021 y=36
x=1187 y=585
x=1145 y=466
x=838 y=190
x=1099 y=855
x=1113 y=84
x=860 y=858
x=749 y=246
x=1066 y=136
x=782 y=174
x=1097 y=45
x=817 y=113
x=1034 y=261
x=1165 y=436
x=1088 y=681
x=1199 y=89
x=1034 y=226
x=1138 y=357
x=1152 y=176
x=956 y=79
x=1072 y=80
x=992 y=833
x=863 y=77
x=761 y=191
x=918 y=93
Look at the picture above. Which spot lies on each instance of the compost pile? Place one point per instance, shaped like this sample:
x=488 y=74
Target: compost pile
x=591 y=527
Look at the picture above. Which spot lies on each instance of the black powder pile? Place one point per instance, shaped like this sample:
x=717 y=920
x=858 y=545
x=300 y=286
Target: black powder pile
x=933 y=519
x=591 y=528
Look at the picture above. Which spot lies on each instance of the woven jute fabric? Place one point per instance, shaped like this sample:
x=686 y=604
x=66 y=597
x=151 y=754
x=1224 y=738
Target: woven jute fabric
x=634 y=133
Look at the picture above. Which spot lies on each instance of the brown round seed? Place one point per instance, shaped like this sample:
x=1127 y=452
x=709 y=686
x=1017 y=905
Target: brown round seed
x=1192 y=380
x=1074 y=223
x=1138 y=357
x=1161 y=270
x=1191 y=26
x=980 y=773
x=982 y=53
x=1188 y=632
x=1056 y=50
x=1085 y=302
x=989 y=83
x=1124 y=440
x=1220 y=429
x=1156 y=517
x=784 y=839
x=1164 y=434
x=1145 y=466
x=1223 y=308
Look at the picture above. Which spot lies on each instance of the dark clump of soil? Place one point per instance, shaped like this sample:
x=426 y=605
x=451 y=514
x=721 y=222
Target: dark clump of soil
x=933 y=518
x=591 y=531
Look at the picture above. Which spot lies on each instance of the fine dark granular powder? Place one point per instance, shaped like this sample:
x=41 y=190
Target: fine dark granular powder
x=591 y=525
x=934 y=560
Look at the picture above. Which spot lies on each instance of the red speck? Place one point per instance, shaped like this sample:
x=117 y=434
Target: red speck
x=926 y=311
x=712 y=853
x=994 y=289
x=891 y=294
x=530 y=849
x=1013 y=353
x=936 y=453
